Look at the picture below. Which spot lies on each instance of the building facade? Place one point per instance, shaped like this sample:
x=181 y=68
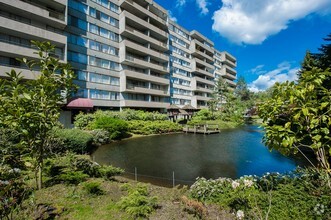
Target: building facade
x=126 y=53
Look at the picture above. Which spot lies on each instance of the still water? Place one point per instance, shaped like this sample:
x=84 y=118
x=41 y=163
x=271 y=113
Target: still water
x=232 y=153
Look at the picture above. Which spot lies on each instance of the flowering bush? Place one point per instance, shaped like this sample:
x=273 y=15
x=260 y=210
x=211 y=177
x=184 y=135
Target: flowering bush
x=12 y=190
x=302 y=194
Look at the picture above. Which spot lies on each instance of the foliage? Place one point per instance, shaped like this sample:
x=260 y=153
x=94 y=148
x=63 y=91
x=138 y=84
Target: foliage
x=13 y=190
x=93 y=187
x=100 y=137
x=194 y=207
x=153 y=127
x=72 y=177
x=117 y=128
x=32 y=107
x=298 y=115
x=82 y=120
x=108 y=172
x=73 y=169
x=242 y=89
x=138 y=203
x=270 y=196
x=74 y=140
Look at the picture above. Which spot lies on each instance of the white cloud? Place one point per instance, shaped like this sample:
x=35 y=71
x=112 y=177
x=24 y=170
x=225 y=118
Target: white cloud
x=202 y=4
x=283 y=72
x=180 y=3
x=257 y=70
x=171 y=17
x=253 y=21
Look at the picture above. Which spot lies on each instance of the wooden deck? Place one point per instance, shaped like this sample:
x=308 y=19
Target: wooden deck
x=202 y=129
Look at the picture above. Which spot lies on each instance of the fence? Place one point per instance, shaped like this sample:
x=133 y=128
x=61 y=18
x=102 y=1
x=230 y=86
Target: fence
x=172 y=181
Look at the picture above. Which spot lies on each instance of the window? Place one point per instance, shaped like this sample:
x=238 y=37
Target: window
x=77 y=57
x=114 y=7
x=81 y=75
x=93 y=12
x=94 y=29
x=76 y=22
x=81 y=93
x=78 y=40
x=94 y=61
x=78 y=6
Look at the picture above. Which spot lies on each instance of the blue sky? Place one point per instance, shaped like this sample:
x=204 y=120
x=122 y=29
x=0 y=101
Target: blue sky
x=269 y=38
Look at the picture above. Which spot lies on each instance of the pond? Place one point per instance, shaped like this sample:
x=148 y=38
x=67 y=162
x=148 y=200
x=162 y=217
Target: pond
x=232 y=153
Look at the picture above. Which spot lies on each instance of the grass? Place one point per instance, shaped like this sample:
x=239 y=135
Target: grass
x=75 y=203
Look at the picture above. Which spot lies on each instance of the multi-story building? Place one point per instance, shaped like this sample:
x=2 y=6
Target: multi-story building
x=224 y=64
x=126 y=53
x=23 y=21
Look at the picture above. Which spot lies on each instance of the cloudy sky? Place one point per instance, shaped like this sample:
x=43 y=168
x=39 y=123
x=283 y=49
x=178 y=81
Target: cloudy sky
x=269 y=38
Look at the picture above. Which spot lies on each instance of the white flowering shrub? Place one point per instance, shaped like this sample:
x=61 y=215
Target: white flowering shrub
x=302 y=194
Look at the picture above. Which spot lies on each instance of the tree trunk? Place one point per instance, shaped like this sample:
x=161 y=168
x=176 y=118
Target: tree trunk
x=40 y=176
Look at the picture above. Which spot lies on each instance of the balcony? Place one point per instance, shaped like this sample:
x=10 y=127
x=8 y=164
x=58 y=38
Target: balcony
x=203 y=63
x=201 y=98
x=228 y=72
x=195 y=43
x=228 y=59
x=231 y=83
x=143 y=24
x=144 y=90
x=41 y=12
x=132 y=33
x=26 y=73
x=142 y=49
x=27 y=29
x=132 y=6
x=199 y=79
x=134 y=61
x=144 y=104
x=141 y=76
x=203 y=55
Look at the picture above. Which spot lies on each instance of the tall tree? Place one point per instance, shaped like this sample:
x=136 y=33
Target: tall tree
x=33 y=107
x=242 y=90
x=324 y=55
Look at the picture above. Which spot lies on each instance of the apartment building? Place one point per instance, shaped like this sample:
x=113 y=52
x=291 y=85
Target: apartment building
x=23 y=21
x=224 y=64
x=126 y=53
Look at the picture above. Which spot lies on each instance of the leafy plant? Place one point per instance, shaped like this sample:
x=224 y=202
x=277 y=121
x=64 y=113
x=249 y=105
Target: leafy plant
x=100 y=137
x=117 y=128
x=138 y=203
x=93 y=188
x=74 y=140
x=72 y=177
x=32 y=107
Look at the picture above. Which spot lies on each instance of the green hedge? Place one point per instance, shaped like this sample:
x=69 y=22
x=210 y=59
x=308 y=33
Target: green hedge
x=74 y=140
x=117 y=128
x=153 y=127
x=82 y=121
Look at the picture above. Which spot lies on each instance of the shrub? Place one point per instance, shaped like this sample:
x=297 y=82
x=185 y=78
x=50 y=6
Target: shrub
x=153 y=127
x=194 y=207
x=13 y=190
x=108 y=172
x=75 y=140
x=270 y=196
x=83 y=120
x=138 y=203
x=86 y=166
x=117 y=128
x=72 y=177
x=100 y=137
x=93 y=188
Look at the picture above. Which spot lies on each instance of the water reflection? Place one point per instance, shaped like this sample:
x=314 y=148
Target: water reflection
x=232 y=153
